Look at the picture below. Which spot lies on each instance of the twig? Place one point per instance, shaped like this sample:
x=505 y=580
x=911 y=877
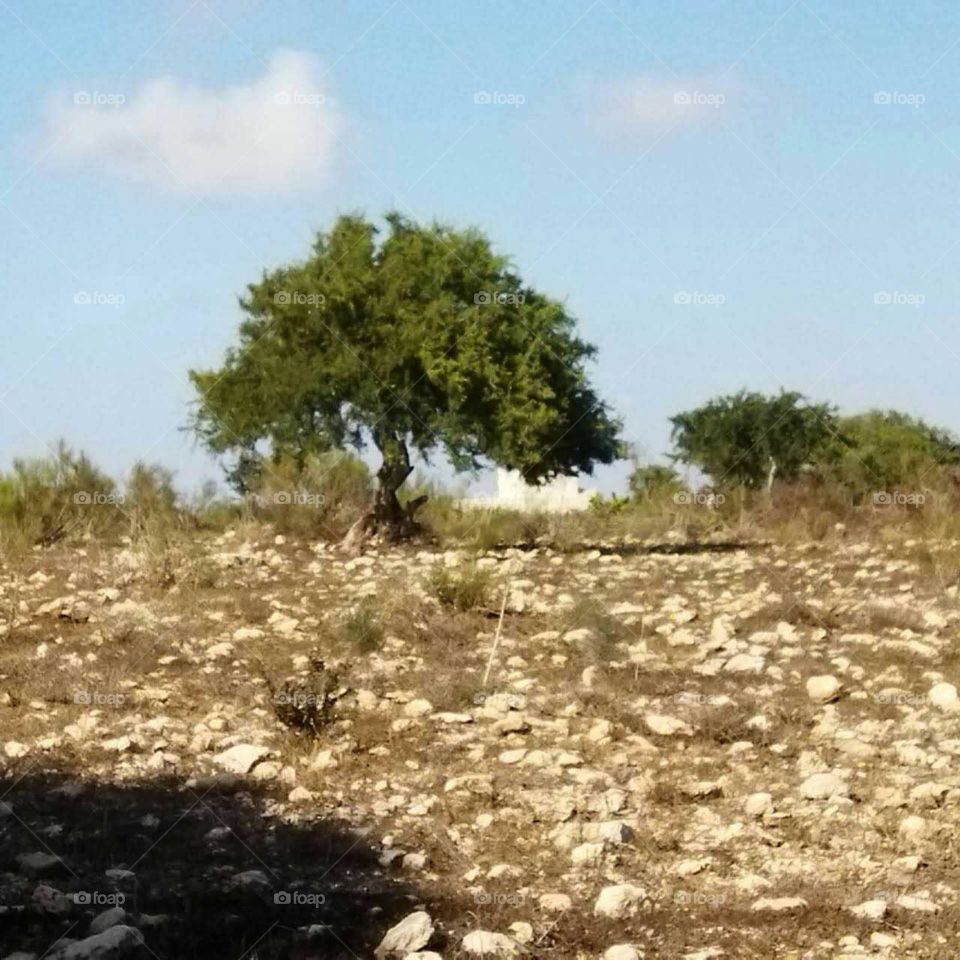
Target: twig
x=496 y=638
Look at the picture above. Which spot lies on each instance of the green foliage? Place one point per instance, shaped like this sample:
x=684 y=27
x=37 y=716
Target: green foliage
x=464 y=591
x=320 y=495
x=654 y=482
x=608 y=506
x=422 y=340
x=738 y=439
x=363 y=627
x=44 y=499
x=886 y=451
x=149 y=498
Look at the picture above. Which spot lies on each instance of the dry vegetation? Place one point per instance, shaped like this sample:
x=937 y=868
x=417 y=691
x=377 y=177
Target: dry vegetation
x=202 y=725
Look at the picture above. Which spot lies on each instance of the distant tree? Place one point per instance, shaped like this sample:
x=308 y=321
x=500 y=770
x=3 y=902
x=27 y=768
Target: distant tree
x=885 y=450
x=419 y=341
x=748 y=439
x=654 y=480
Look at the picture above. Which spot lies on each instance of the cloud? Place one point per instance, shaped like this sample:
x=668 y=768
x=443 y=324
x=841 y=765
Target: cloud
x=276 y=133
x=645 y=109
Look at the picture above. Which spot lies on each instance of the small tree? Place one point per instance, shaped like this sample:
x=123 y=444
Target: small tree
x=652 y=481
x=884 y=450
x=748 y=439
x=421 y=341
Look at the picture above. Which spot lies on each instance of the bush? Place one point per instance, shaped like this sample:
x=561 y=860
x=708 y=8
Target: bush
x=322 y=496
x=363 y=627
x=45 y=499
x=463 y=592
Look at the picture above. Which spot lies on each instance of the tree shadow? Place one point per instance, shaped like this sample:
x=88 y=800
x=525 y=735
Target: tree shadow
x=203 y=870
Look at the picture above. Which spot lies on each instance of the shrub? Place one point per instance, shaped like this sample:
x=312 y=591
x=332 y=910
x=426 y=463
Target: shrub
x=363 y=627
x=464 y=591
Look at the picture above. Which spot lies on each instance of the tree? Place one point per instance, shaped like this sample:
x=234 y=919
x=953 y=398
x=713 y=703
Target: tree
x=420 y=341
x=654 y=480
x=748 y=439
x=883 y=450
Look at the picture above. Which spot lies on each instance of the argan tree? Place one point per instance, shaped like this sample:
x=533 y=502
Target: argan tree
x=420 y=340
x=748 y=439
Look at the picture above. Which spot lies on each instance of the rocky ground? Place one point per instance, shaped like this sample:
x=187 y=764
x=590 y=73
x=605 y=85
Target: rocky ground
x=261 y=748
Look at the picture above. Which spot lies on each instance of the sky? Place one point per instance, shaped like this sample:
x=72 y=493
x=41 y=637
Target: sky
x=748 y=194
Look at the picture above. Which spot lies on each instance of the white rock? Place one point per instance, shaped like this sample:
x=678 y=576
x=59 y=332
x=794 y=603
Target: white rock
x=823 y=786
x=667 y=726
x=107 y=919
x=870 y=910
x=778 y=904
x=744 y=663
x=619 y=900
x=622 y=951
x=555 y=902
x=483 y=943
x=242 y=758
x=823 y=689
x=418 y=708
x=411 y=934
x=104 y=946
x=758 y=805
x=912 y=827
x=944 y=696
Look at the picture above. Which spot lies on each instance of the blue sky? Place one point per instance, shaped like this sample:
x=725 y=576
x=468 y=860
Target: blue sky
x=755 y=194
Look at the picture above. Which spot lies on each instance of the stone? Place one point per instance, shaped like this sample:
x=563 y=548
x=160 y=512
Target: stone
x=944 y=697
x=418 y=708
x=409 y=935
x=555 y=902
x=744 y=663
x=870 y=910
x=823 y=786
x=667 y=726
x=483 y=943
x=107 y=919
x=620 y=900
x=622 y=951
x=778 y=904
x=823 y=689
x=40 y=864
x=108 y=945
x=242 y=758
x=758 y=805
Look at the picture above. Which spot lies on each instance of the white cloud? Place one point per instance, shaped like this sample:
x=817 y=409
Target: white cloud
x=276 y=133
x=643 y=108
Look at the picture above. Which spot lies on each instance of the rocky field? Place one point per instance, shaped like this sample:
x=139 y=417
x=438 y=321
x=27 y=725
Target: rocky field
x=254 y=747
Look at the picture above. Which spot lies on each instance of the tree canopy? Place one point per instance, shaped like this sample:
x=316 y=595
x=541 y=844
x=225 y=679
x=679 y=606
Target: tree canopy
x=747 y=439
x=420 y=340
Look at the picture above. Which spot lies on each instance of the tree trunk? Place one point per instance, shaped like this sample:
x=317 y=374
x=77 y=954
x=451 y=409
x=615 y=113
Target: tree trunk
x=387 y=517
